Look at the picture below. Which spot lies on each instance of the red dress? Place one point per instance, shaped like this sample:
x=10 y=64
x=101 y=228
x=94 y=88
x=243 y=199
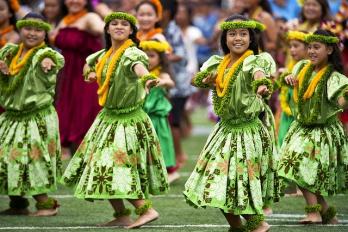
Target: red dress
x=77 y=101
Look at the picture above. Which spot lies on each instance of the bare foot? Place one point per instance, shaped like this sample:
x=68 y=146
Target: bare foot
x=147 y=217
x=173 y=177
x=267 y=211
x=66 y=154
x=11 y=211
x=263 y=227
x=312 y=218
x=44 y=213
x=120 y=221
x=333 y=221
x=181 y=160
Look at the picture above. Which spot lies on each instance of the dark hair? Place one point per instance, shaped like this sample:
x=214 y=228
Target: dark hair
x=63 y=11
x=157 y=24
x=189 y=11
x=33 y=15
x=132 y=36
x=325 y=11
x=254 y=45
x=335 y=57
x=171 y=6
x=266 y=6
x=164 y=62
x=88 y=7
x=13 y=18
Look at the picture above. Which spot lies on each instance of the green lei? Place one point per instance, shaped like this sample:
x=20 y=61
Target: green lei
x=8 y=83
x=316 y=96
x=220 y=103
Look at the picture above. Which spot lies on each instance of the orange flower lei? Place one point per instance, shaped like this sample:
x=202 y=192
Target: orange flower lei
x=3 y=32
x=159 y=7
x=147 y=36
x=104 y=86
x=15 y=6
x=221 y=82
x=71 y=18
x=313 y=84
x=15 y=67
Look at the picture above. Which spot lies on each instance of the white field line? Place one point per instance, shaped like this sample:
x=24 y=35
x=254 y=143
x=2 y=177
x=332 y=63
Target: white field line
x=147 y=226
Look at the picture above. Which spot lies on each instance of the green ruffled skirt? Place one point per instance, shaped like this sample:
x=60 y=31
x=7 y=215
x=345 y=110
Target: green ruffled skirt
x=29 y=152
x=316 y=158
x=236 y=170
x=284 y=125
x=119 y=158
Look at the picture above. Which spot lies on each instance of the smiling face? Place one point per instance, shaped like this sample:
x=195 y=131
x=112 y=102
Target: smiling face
x=147 y=17
x=318 y=53
x=75 y=6
x=238 y=40
x=119 y=29
x=312 y=10
x=32 y=36
x=298 y=50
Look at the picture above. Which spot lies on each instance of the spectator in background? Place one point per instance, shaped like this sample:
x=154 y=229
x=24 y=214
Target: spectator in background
x=7 y=23
x=288 y=9
x=54 y=11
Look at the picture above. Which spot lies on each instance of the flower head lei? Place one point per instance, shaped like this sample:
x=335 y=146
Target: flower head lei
x=121 y=15
x=158 y=46
x=322 y=39
x=30 y=22
x=249 y=24
x=296 y=35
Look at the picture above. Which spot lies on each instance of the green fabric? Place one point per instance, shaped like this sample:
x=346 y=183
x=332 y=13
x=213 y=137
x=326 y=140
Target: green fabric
x=235 y=171
x=328 y=101
x=29 y=152
x=37 y=88
x=316 y=157
x=285 y=120
x=158 y=107
x=120 y=156
x=125 y=88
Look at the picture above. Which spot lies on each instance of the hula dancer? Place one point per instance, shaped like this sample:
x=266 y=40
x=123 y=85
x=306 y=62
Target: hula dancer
x=29 y=136
x=314 y=154
x=298 y=51
x=120 y=157
x=233 y=170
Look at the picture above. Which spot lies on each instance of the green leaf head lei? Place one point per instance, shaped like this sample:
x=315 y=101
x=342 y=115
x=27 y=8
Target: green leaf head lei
x=36 y=23
x=239 y=24
x=121 y=15
x=321 y=39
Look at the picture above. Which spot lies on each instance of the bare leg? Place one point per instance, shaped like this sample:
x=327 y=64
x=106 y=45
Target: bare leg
x=147 y=215
x=122 y=215
x=311 y=199
x=45 y=206
x=181 y=157
x=18 y=206
x=233 y=220
x=262 y=227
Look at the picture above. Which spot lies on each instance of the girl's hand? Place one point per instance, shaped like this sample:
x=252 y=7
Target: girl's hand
x=290 y=80
x=149 y=84
x=47 y=64
x=262 y=90
x=92 y=76
x=210 y=79
x=4 y=67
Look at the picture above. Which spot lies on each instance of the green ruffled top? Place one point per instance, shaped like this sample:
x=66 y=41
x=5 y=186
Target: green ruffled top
x=242 y=104
x=125 y=91
x=328 y=108
x=35 y=89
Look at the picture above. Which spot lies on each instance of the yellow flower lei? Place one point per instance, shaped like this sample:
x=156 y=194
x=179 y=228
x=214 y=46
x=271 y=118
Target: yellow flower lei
x=313 y=84
x=104 y=87
x=283 y=100
x=156 y=71
x=221 y=82
x=15 y=67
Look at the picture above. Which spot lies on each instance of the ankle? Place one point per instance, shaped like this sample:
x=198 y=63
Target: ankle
x=254 y=222
x=313 y=209
x=328 y=215
x=50 y=203
x=144 y=208
x=122 y=213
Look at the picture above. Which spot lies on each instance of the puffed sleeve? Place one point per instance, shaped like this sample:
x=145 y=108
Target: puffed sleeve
x=207 y=68
x=298 y=67
x=133 y=56
x=92 y=59
x=336 y=86
x=8 y=52
x=262 y=62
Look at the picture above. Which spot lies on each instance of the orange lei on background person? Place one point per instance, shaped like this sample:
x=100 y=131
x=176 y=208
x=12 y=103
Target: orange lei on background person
x=313 y=84
x=104 y=87
x=15 y=67
x=147 y=36
x=3 y=32
x=71 y=18
x=221 y=82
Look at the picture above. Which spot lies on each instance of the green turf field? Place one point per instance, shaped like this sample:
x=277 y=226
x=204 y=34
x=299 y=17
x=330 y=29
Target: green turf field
x=175 y=214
